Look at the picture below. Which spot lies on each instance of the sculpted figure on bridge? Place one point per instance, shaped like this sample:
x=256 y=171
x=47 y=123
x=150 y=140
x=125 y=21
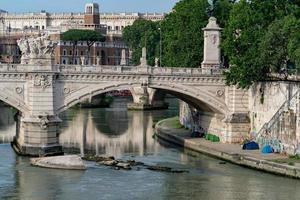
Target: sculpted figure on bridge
x=24 y=48
x=36 y=49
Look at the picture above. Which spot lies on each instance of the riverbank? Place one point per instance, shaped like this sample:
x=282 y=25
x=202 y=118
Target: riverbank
x=170 y=131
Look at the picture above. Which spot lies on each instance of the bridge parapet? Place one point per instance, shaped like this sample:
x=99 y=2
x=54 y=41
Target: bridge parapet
x=106 y=69
x=141 y=70
x=7 y=68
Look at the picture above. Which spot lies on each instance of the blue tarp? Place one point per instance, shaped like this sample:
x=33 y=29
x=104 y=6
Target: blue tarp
x=267 y=149
x=250 y=146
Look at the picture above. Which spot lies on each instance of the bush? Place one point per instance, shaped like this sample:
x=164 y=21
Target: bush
x=212 y=137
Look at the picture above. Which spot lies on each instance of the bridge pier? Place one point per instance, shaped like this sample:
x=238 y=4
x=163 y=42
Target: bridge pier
x=37 y=136
x=145 y=98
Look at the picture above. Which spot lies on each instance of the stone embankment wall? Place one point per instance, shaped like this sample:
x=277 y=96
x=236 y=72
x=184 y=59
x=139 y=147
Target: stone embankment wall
x=201 y=121
x=274 y=112
x=275 y=105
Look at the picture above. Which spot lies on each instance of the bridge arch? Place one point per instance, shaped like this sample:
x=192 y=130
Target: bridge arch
x=13 y=101
x=198 y=98
x=92 y=91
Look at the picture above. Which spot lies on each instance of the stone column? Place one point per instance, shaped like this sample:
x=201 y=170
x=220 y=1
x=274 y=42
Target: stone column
x=82 y=59
x=123 y=58
x=98 y=60
x=143 y=59
x=212 y=52
x=38 y=130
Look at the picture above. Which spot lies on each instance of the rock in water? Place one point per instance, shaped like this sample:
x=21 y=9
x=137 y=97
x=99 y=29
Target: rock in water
x=59 y=162
x=124 y=165
x=109 y=162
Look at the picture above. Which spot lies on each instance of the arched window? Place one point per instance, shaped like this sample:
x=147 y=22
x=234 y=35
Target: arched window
x=64 y=52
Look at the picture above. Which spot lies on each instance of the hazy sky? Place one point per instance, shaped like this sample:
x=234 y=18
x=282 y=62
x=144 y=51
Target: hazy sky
x=78 y=5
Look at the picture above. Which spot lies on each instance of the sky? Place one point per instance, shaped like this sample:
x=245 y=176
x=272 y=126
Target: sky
x=78 y=5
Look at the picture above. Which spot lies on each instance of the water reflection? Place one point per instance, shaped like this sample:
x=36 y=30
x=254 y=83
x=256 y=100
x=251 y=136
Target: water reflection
x=38 y=183
x=7 y=125
x=111 y=131
x=90 y=130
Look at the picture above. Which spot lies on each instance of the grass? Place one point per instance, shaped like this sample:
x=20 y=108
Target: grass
x=173 y=123
x=290 y=161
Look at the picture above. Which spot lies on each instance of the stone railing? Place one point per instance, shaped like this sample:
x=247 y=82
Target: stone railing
x=140 y=70
x=106 y=69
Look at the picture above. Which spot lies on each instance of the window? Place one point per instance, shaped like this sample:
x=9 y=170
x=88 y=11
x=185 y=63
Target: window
x=70 y=52
x=64 y=52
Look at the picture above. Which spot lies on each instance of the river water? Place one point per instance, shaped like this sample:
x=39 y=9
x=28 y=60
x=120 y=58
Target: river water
x=128 y=135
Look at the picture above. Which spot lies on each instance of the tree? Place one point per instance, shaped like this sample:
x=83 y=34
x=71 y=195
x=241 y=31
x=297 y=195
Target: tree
x=88 y=36
x=143 y=33
x=183 y=35
x=182 y=30
x=257 y=41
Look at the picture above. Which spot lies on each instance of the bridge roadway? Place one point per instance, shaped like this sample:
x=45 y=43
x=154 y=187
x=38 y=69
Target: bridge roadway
x=40 y=93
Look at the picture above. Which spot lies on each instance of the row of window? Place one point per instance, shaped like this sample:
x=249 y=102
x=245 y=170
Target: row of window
x=115 y=28
x=66 y=61
x=101 y=44
x=65 y=53
x=34 y=27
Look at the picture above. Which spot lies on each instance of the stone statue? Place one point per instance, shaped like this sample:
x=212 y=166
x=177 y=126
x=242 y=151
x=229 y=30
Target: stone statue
x=23 y=46
x=157 y=62
x=36 y=50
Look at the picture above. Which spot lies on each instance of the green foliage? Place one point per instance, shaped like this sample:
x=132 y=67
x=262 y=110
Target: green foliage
x=259 y=39
x=212 y=137
x=181 y=33
x=89 y=36
x=143 y=33
x=172 y=123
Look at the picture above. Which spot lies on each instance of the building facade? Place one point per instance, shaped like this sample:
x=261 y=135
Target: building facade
x=114 y=23
x=101 y=53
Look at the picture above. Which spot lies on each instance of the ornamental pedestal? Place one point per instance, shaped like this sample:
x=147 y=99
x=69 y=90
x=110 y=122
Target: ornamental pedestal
x=212 y=52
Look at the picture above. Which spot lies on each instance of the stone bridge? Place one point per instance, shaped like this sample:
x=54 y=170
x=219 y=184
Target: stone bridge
x=41 y=90
x=41 y=93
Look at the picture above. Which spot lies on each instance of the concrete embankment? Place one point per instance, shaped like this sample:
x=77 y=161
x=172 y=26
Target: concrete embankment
x=233 y=153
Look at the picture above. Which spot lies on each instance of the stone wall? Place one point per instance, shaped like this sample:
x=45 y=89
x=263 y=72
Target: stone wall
x=201 y=121
x=274 y=114
x=265 y=99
